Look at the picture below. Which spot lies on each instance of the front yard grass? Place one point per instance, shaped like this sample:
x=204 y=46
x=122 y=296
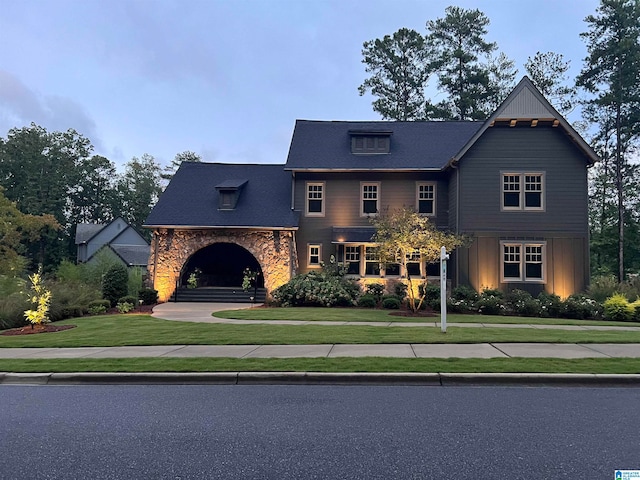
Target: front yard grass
x=317 y=314
x=121 y=330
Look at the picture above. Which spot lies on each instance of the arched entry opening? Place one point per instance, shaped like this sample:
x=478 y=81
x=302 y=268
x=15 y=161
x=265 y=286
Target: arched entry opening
x=220 y=265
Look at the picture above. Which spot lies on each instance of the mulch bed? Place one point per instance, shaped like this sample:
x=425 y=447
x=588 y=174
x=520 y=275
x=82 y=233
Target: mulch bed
x=28 y=330
x=52 y=327
x=409 y=313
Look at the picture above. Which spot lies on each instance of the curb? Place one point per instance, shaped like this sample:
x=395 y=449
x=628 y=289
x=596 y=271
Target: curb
x=319 y=378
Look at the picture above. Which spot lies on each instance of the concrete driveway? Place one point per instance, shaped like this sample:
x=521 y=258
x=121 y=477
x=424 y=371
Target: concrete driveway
x=194 y=311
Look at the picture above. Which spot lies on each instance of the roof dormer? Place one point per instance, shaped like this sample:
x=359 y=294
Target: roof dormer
x=229 y=193
x=370 y=142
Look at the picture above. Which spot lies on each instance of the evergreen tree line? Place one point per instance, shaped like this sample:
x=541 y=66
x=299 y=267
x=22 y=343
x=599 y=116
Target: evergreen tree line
x=474 y=77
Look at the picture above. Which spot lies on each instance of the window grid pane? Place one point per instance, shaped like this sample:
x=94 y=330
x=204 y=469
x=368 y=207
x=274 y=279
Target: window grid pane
x=352 y=254
x=314 y=254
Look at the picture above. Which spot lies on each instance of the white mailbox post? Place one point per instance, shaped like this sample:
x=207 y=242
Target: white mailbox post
x=444 y=256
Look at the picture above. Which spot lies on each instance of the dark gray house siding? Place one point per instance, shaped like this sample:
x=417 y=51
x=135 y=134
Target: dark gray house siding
x=342 y=203
x=561 y=226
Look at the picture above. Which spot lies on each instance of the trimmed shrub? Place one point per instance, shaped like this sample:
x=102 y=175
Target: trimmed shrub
x=463 y=292
x=462 y=300
x=149 y=296
x=97 y=309
x=317 y=289
x=431 y=295
x=618 y=308
x=490 y=302
x=636 y=310
x=397 y=288
x=367 y=301
x=580 y=307
x=124 y=307
x=391 y=302
x=100 y=303
x=522 y=303
x=129 y=299
x=376 y=290
x=550 y=305
x=115 y=283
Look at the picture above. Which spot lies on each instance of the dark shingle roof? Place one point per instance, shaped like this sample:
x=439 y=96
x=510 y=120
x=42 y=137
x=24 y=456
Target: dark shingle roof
x=320 y=145
x=84 y=231
x=135 y=255
x=191 y=199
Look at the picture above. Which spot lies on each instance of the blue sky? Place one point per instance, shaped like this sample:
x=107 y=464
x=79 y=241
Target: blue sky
x=225 y=78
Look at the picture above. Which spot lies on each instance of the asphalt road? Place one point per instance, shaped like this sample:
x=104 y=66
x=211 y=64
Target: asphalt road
x=316 y=432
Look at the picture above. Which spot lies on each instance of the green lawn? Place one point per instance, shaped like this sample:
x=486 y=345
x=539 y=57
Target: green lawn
x=118 y=330
x=311 y=314
x=369 y=364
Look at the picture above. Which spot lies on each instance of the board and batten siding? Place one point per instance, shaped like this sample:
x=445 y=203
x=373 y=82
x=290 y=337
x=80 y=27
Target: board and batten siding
x=566 y=266
x=562 y=225
x=523 y=149
x=342 y=203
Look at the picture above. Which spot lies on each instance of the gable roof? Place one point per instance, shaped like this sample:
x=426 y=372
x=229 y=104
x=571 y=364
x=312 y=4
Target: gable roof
x=191 y=198
x=86 y=231
x=526 y=103
x=326 y=145
x=132 y=255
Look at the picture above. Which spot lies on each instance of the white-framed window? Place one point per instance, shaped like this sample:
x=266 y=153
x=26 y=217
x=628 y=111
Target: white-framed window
x=314 y=255
x=523 y=261
x=352 y=259
x=314 y=205
x=371 y=261
x=413 y=264
x=369 y=196
x=522 y=191
x=426 y=198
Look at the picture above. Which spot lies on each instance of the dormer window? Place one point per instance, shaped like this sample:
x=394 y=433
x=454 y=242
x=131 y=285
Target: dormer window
x=229 y=193
x=370 y=142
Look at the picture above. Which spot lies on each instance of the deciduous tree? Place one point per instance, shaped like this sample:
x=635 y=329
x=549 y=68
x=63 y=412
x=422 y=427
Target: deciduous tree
x=403 y=233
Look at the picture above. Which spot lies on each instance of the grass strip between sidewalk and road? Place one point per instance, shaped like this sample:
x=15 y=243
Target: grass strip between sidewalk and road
x=342 y=365
x=131 y=330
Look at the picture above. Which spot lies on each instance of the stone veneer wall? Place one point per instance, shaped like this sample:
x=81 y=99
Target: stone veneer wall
x=171 y=248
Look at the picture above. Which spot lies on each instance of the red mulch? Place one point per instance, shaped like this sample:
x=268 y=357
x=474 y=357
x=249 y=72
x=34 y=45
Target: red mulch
x=28 y=330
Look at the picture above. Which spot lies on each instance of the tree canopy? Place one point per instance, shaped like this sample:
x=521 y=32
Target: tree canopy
x=402 y=235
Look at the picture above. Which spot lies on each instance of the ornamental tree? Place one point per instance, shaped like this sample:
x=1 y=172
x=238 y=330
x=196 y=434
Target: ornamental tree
x=41 y=298
x=401 y=235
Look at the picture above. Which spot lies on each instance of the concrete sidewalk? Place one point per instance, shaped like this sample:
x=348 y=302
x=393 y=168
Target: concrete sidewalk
x=201 y=312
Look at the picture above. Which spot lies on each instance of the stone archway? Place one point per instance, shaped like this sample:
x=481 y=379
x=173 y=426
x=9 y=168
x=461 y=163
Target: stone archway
x=221 y=265
x=274 y=251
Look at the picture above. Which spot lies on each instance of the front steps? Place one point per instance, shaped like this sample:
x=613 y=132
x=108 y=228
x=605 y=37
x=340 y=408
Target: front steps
x=218 y=295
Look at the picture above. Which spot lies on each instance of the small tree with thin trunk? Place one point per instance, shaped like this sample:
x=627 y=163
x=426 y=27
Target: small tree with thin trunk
x=403 y=233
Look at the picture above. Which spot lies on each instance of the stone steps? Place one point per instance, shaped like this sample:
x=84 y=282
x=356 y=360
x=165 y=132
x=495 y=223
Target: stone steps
x=218 y=295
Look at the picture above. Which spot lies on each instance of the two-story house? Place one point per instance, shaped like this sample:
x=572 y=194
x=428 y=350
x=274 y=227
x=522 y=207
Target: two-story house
x=515 y=184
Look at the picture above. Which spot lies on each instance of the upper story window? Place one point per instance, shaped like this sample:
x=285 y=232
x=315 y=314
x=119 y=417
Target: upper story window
x=426 y=198
x=523 y=191
x=370 y=142
x=369 y=198
x=315 y=199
